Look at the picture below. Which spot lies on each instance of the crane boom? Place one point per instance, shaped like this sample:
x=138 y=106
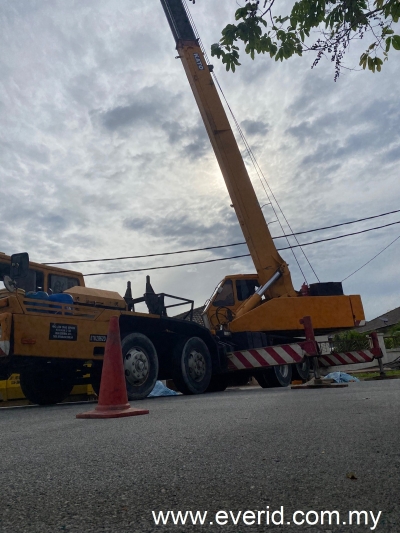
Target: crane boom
x=265 y=256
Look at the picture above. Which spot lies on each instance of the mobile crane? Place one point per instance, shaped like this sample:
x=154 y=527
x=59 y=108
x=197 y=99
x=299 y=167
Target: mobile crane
x=255 y=323
x=265 y=302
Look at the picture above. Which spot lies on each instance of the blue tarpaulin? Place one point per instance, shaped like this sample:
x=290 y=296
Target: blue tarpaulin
x=161 y=390
x=341 y=377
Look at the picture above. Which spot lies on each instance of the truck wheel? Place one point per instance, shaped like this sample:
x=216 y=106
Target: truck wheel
x=95 y=376
x=280 y=376
x=140 y=365
x=277 y=376
x=301 y=370
x=45 y=383
x=191 y=366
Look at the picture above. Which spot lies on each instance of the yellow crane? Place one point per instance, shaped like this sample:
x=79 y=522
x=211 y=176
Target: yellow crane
x=275 y=306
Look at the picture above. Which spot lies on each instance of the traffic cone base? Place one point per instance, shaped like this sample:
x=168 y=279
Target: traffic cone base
x=113 y=398
x=112 y=412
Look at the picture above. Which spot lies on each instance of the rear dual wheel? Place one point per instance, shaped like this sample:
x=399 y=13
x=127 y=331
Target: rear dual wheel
x=301 y=371
x=191 y=366
x=277 y=376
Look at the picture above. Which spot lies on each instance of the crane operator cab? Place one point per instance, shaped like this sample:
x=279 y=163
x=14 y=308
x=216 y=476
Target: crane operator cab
x=231 y=292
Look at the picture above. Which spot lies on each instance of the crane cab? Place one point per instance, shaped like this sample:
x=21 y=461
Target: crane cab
x=229 y=295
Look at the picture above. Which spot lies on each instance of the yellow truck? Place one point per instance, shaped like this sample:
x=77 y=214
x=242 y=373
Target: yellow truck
x=49 y=339
x=51 y=324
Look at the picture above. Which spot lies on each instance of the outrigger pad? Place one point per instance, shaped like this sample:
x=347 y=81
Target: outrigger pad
x=316 y=383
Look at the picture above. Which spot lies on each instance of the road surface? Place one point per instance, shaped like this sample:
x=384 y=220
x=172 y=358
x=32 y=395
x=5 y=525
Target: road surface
x=242 y=450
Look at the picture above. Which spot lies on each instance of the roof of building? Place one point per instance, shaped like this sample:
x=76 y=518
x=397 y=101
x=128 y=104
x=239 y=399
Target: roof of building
x=382 y=321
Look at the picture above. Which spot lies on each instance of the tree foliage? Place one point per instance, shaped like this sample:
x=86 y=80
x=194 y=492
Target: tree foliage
x=393 y=341
x=326 y=27
x=349 y=341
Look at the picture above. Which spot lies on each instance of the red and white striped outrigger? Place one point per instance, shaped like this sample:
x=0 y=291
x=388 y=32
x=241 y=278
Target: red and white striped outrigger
x=287 y=354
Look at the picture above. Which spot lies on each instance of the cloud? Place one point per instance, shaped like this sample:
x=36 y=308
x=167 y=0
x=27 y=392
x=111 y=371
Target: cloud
x=189 y=227
x=392 y=155
x=141 y=111
x=103 y=152
x=255 y=127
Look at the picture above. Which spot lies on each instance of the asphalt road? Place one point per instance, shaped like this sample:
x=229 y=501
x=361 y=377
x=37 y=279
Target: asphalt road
x=234 y=451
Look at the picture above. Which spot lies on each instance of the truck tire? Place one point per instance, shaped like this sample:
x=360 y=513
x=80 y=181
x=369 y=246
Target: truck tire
x=277 y=376
x=191 y=366
x=280 y=376
x=301 y=370
x=140 y=365
x=95 y=375
x=46 y=383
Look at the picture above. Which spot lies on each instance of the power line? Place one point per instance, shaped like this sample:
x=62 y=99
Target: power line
x=167 y=266
x=239 y=256
x=346 y=223
x=348 y=234
x=375 y=256
x=219 y=246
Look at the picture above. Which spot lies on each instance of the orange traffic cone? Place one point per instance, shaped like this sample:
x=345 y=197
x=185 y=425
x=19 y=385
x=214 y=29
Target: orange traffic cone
x=113 y=399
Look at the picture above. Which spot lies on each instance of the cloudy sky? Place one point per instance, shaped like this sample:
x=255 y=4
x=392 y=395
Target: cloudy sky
x=103 y=153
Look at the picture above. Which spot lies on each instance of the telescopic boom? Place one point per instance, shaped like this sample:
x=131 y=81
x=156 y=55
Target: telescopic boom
x=267 y=261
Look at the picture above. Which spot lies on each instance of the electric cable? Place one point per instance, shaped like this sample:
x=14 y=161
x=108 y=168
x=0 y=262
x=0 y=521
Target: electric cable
x=375 y=256
x=219 y=246
x=243 y=255
x=344 y=223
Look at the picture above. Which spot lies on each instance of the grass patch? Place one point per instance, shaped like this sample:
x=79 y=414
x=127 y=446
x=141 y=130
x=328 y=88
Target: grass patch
x=364 y=375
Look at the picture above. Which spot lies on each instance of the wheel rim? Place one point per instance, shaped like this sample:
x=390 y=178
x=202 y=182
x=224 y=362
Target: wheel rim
x=284 y=370
x=304 y=366
x=196 y=366
x=136 y=366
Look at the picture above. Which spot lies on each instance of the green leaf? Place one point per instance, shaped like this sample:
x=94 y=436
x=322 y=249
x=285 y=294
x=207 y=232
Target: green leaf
x=363 y=61
x=216 y=50
x=396 y=42
x=371 y=64
x=328 y=18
